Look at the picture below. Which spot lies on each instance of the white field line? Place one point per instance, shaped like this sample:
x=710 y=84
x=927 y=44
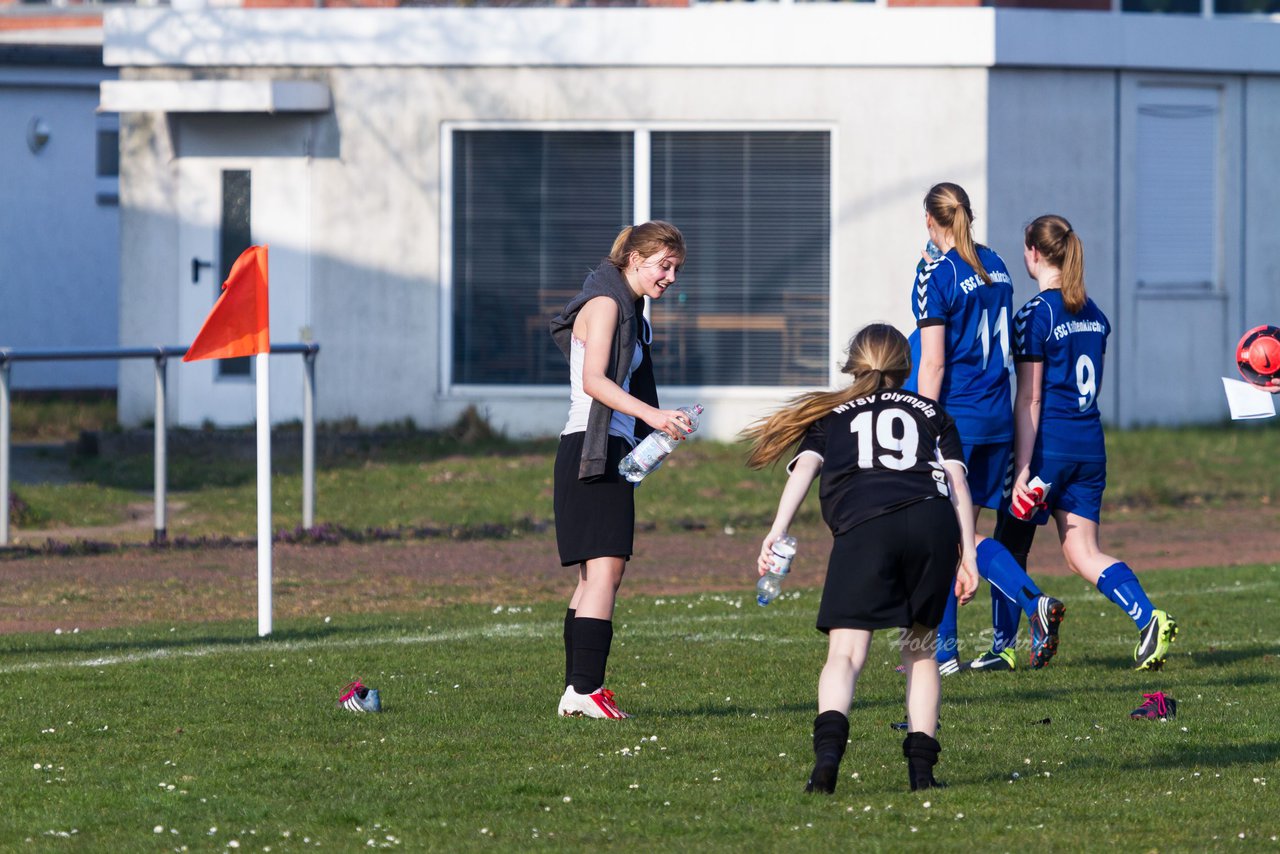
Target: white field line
x=661 y=627
x=657 y=628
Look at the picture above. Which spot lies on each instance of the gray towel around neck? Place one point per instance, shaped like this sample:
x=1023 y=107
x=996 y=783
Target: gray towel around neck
x=604 y=280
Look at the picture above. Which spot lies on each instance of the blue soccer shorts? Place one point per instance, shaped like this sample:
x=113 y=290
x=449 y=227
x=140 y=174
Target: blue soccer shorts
x=1075 y=487
x=987 y=466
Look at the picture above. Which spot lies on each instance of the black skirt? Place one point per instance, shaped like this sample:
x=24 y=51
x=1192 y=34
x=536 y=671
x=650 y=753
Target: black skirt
x=597 y=517
x=893 y=570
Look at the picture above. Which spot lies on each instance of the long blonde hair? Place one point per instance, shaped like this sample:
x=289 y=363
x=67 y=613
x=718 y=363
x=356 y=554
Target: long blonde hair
x=878 y=357
x=1057 y=242
x=948 y=204
x=647 y=238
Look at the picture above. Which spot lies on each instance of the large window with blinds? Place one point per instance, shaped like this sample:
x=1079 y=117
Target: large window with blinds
x=533 y=211
x=1177 y=181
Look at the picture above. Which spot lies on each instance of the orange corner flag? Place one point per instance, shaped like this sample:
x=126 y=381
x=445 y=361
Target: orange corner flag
x=239 y=323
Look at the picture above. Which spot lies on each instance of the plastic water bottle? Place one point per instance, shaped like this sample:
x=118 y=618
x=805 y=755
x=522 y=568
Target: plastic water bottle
x=769 y=587
x=932 y=251
x=645 y=457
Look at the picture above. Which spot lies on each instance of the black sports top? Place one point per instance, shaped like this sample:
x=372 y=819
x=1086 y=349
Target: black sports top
x=879 y=454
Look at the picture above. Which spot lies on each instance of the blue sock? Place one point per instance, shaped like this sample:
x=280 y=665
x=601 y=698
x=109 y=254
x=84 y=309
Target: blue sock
x=948 y=642
x=1118 y=583
x=1005 y=616
x=1002 y=569
x=1012 y=591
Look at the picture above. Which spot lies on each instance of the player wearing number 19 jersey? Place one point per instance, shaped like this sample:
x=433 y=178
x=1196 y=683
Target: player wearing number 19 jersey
x=894 y=495
x=1059 y=344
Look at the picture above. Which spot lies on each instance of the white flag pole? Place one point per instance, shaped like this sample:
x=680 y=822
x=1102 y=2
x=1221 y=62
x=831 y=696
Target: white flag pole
x=263 y=385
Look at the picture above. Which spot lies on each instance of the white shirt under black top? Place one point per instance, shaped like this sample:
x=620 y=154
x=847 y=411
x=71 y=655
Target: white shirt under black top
x=620 y=424
x=880 y=453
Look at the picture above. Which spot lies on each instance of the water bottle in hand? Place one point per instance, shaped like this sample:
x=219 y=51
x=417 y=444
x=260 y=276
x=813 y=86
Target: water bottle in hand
x=931 y=253
x=645 y=457
x=769 y=587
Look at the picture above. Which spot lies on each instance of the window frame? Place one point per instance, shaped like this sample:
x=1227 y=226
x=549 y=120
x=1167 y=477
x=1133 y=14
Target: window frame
x=641 y=203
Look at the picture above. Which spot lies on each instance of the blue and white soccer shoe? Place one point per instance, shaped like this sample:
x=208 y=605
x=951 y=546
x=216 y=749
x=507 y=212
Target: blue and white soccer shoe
x=357 y=698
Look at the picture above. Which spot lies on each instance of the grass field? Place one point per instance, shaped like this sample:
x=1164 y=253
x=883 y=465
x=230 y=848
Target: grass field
x=197 y=737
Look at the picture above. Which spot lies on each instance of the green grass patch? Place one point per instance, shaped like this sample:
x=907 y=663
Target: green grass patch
x=59 y=416
x=198 y=735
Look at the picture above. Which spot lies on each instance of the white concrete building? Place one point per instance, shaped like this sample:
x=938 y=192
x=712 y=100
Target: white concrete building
x=433 y=184
x=59 y=227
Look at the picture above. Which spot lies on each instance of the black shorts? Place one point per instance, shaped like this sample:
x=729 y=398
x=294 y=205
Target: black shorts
x=893 y=570
x=594 y=518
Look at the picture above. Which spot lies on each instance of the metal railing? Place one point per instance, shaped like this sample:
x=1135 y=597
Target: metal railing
x=160 y=355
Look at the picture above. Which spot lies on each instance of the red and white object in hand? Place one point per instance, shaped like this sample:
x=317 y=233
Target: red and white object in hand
x=1025 y=506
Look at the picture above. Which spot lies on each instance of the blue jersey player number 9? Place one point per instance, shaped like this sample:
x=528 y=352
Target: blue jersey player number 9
x=1086 y=381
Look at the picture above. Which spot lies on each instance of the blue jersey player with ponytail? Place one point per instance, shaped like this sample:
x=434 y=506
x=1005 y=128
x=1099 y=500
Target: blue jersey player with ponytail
x=1060 y=341
x=963 y=304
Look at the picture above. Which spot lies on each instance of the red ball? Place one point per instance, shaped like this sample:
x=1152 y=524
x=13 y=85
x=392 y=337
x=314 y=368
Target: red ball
x=1258 y=354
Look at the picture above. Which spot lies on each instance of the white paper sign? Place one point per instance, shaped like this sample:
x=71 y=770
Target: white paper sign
x=1247 y=401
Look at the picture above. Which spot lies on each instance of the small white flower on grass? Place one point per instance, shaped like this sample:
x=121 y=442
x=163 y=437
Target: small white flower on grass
x=567 y=799
x=927 y=804
x=867 y=808
x=781 y=755
x=159 y=828
x=1015 y=775
x=212 y=831
x=484 y=831
x=634 y=786
x=913 y=830
x=57 y=631
x=959 y=816
x=37 y=766
x=234 y=843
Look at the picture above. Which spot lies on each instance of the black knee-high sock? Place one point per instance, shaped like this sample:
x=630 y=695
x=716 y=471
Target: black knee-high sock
x=1015 y=535
x=568 y=644
x=591 y=641
x=921 y=752
x=830 y=735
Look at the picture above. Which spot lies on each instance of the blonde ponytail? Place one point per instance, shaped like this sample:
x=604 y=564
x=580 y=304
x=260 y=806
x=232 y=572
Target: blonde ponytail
x=878 y=357
x=1059 y=245
x=948 y=204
